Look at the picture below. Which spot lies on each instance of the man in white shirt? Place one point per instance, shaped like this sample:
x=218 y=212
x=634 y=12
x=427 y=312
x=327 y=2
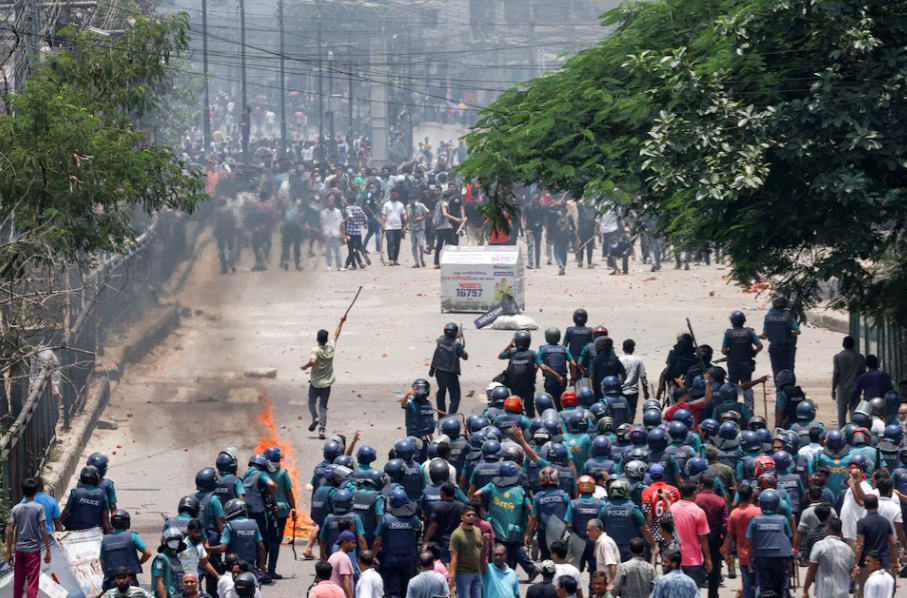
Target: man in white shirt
x=331 y=221
x=636 y=377
x=562 y=568
x=370 y=584
x=851 y=511
x=879 y=584
x=890 y=508
x=607 y=554
x=393 y=220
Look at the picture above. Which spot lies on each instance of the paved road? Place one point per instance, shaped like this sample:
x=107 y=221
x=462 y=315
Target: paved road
x=189 y=399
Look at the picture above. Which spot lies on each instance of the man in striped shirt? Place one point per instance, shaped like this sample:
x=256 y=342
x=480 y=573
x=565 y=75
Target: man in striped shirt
x=354 y=219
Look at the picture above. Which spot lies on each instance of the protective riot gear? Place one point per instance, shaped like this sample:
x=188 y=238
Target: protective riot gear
x=651 y=418
x=785 y=378
x=451 y=330
x=405 y=449
x=710 y=427
x=834 y=440
x=779 y=302
x=606 y=425
x=859 y=460
x=549 y=476
x=99 y=461
x=395 y=468
x=522 y=340
x=728 y=392
x=490 y=389
x=769 y=501
x=599 y=331
x=449 y=426
x=491 y=448
x=188 y=505
x=757 y=422
x=877 y=407
x=206 y=480
x=763 y=464
x=344 y=461
x=421 y=388
x=750 y=441
x=575 y=422
x=438 y=471
x=657 y=439
x=638 y=435
x=685 y=416
x=235 y=507
x=341 y=502
x=580 y=317
x=543 y=401
x=806 y=411
x=623 y=433
x=696 y=465
x=636 y=470
x=737 y=318
x=782 y=461
x=258 y=461
x=610 y=384
x=558 y=454
x=601 y=446
x=585 y=485
x=619 y=490
x=569 y=399
x=120 y=519
x=226 y=463
x=513 y=404
x=90 y=475
x=245 y=585
x=677 y=430
x=893 y=434
x=552 y=335
x=171 y=533
x=366 y=455
x=765 y=438
x=499 y=395
x=331 y=450
x=730 y=416
x=638 y=454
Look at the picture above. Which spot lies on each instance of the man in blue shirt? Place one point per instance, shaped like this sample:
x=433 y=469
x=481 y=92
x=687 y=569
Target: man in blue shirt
x=51 y=509
x=871 y=384
x=499 y=580
x=674 y=583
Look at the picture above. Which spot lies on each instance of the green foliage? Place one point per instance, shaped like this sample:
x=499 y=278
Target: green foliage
x=75 y=165
x=776 y=129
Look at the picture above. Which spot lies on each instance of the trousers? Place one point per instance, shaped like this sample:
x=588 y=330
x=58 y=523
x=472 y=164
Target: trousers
x=393 y=244
x=417 y=240
x=318 y=405
x=396 y=571
x=534 y=247
x=28 y=570
x=448 y=382
x=275 y=537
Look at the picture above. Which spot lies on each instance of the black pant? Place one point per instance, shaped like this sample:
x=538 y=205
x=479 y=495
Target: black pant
x=393 y=244
x=442 y=236
x=633 y=399
x=528 y=396
x=587 y=245
x=290 y=237
x=448 y=382
x=226 y=251
x=275 y=537
x=782 y=357
x=771 y=574
x=262 y=520
x=517 y=554
x=714 y=577
x=555 y=389
x=354 y=249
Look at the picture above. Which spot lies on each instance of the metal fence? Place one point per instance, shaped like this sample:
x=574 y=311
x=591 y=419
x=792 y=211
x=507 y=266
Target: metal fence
x=105 y=301
x=885 y=340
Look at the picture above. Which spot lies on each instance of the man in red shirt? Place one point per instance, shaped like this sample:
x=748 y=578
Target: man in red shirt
x=692 y=528
x=682 y=396
x=716 y=514
x=657 y=499
x=737 y=525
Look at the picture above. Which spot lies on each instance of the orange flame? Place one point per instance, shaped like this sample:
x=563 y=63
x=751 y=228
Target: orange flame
x=270 y=437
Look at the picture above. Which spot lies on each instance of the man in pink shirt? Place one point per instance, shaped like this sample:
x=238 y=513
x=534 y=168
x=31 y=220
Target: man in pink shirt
x=342 y=565
x=738 y=523
x=692 y=528
x=324 y=587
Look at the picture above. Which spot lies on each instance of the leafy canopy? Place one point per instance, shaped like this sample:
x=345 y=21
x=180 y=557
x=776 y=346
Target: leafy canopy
x=776 y=128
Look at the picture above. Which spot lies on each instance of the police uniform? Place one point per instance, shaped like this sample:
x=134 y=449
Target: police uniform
x=584 y=509
x=788 y=399
x=420 y=418
x=520 y=377
x=121 y=549
x=257 y=498
x=332 y=528
x=86 y=505
x=557 y=357
x=242 y=535
x=445 y=363
x=369 y=506
x=576 y=338
x=618 y=408
x=770 y=551
x=739 y=342
x=778 y=326
x=547 y=503
x=398 y=552
x=413 y=480
x=622 y=521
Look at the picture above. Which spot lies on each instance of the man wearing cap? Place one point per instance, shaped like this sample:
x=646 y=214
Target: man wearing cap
x=341 y=563
x=546 y=587
x=123 y=579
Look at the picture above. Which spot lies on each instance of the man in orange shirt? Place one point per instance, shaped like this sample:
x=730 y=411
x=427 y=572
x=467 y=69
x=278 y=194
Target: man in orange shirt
x=738 y=523
x=657 y=499
x=324 y=587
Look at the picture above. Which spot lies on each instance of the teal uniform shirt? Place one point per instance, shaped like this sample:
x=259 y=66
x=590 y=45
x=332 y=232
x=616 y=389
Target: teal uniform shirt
x=237 y=484
x=284 y=486
x=225 y=535
x=506 y=355
x=87 y=487
x=580 y=446
x=506 y=511
x=215 y=508
x=357 y=524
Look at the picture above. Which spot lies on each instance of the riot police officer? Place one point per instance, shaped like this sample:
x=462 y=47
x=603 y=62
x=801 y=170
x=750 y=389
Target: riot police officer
x=579 y=335
x=548 y=502
x=395 y=543
x=285 y=502
x=585 y=508
x=420 y=413
x=740 y=346
x=100 y=461
x=87 y=506
x=260 y=491
x=781 y=330
x=486 y=471
x=623 y=519
x=522 y=365
x=770 y=544
x=513 y=415
x=445 y=366
x=365 y=456
x=606 y=363
x=555 y=359
x=242 y=537
x=450 y=427
x=229 y=485
x=368 y=503
x=122 y=548
x=618 y=404
x=341 y=513
x=166 y=569
x=187 y=510
x=789 y=397
x=413 y=475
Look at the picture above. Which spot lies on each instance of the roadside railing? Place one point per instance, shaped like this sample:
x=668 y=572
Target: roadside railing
x=884 y=339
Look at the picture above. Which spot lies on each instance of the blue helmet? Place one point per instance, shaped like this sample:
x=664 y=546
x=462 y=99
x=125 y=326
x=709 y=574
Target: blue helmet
x=598 y=411
x=677 y=430
x=451 y=427
x=638 y=435
x=543 y=401
x=651 y=418
x=893 y=434
x=657 y=439
x=366 y=455
x=782 y=461
x=575 y=422
x=610 y=384
x=99 y=461
x=685 y=416
x=696 y=465
x=750 y=441
x=835 y=440
x=765 y=438
x=206 y=480
x=585 y=396
x=892 y=402
x=785 y=378
x=601 y=446
x=258 y=461
x=476 y=439
x=499 y=395
x=395 y=468
x=494 y=432
x=791 y=441
x=331 y=450
x=806 y=411
x=345 y=461
x=491 y=448
x=534 y=425
x=508 y=469
x=478 y=423
x=623 y=434
x=405 y=449
x=728 y=430
x=728 y=392
x=737 y=318
x=710 y=426
x=860 y=460
x=226 y=463
x=769 y=501
x=558 y=454
x=848 y=431
x=341 y=502
x=552 y=425
x=273 y=454
x=656 y=471
x=376 y=478
x=651 y=404
x=398 y=498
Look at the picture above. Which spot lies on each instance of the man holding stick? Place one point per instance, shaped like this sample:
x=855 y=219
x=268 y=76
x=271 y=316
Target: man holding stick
x=322 y=364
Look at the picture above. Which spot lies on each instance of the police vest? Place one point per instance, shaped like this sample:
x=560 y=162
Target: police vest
x=244 y=539
x=605 y=364
x=485 y=472
x=457 y=456
x=492 y=413
x=180 y=524
x=589 y=359
x=334 y=523
x=584 y=510
x=566 y=479
x=413 y=480
x=777 y=326
x=594 y=466
x=891 y=460
x=206 y=519
x=505 y=421
x=681 y=454
x=226 y=489
x=617 y=451
x=431 y=496
x=749 y=471
x=555 y=357
x=729 y=457
x=769 y=538
x=739 y=345
x=619 y=408
x=899 y=477
x=618 y=520
x=422 y=422
x=636 y=490
x=318 y=474
x=254 y=499
x=321 y=503
x=445 y=358
x=791 y=484
x=533 y=473
x=521 y=370
x=551 y=503
x=117 y=551
x=399 y=536
x=365 y=504
x=360 y=474
x=801 y=430
x=87 y=510
x=577 y=337
x=794 y=397
x=104 y=484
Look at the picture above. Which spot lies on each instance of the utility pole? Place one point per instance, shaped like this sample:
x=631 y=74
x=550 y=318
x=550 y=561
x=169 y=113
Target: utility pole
x=349 y=136
x=320 y=147
x=331 y=146
x=283 y=81
x=206 y=120
x=246 y=111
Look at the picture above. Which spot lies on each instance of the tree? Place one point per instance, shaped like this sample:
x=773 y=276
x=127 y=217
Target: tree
x=777 y=130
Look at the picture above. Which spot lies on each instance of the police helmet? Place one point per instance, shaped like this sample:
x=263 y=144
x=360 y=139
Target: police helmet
x=522 y=340
x=206 y=480
x=728 y=431
x=450 y=426
x=651 y=418
x=172 y=533
x=569 y=398
x=494 y=433
x=235 y=507
x=638 y=454
x=259 y=461
x=499 y=395
x=779 y=302
x=656 y=471
x=834 y=440
x=580 y=317
x=273 y=454
x=451 y=330
x=757 y=422
x=806 y=411
x=685 y=416
x=763 y=464
x=677 y=430
x=696 y=465
x=398 y=498
x=376 y=478
x=737 y=318
x=226 y=463
x=878 y=407
x=395 y=468
x=599 y=331
x=767 y=480
x=651 y=404
x=861 y=419
x=90 y=475
x=782 y=461
x=188 y=505
x=710 y=426
x=785 y=378
x=698 y=387
x=601 y=446
x=405 y=449
x=575 y=422
x=421 y=389
x=558 y=454
x=585 y=395
x=552 y=425
x=728 y=392
x=859 y=460
x=638 y=435
x=513 y=404
x=490 y=449
x=636 y=470
x=245 y=585
x=623 y=433
x=893 y=434
x=598 y=411
x=893 y=401
x=120 y=519
x=552 y=335
x=345 y=461
x=366 y=455
x=765 y=437
x=543 y=401
x=792 y=441
x=605 y=425
x=730 y=416
x=99 y=461
x=549 y=476
x=479 y=423
x=610 y=384
x=438 y=471
x=508 y=474
x=585 y=484
x=513 y=453
x=750 y=441
x=341 y=502
x=717 y=374
x=490 y=389
x=619 y=490
x=769 y=501
x=331 y=450
x=657 y=439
